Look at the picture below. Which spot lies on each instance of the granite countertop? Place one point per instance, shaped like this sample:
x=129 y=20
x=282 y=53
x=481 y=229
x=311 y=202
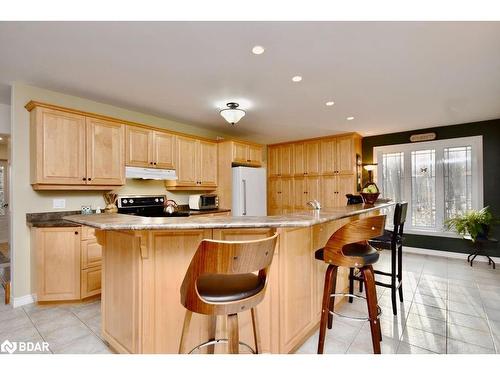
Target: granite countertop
x=50 y=219
x=296 y=219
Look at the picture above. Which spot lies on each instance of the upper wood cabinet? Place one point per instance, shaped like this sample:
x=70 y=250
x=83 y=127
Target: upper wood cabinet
x=286 y=160
x=328 y=149
x=105 y=156
x=274 y=161
x=299 y=159
x=149 y=148
x=73 y=151
x=196 y=162
x=246 y=154
x=346 y=156
x=312 y=158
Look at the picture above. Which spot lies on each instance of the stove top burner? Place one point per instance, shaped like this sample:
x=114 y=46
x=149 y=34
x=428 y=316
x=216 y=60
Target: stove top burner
x=146 y=206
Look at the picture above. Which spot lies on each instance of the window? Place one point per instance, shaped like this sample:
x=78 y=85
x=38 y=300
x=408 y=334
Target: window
x=438 y=179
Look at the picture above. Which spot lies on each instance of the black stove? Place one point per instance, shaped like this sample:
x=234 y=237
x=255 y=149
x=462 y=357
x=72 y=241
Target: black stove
x=148 y=206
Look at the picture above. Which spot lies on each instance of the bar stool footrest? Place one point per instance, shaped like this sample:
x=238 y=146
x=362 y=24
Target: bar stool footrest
x=216 y=342
x=359 y=319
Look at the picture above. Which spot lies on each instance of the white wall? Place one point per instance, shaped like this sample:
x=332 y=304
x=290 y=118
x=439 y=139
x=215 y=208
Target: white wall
x=24 y=199
x=4 y=118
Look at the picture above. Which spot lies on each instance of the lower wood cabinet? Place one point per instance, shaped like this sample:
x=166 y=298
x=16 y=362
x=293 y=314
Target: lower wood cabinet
x=68 y=263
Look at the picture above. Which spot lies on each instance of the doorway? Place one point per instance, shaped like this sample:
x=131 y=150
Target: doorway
x=5 y=254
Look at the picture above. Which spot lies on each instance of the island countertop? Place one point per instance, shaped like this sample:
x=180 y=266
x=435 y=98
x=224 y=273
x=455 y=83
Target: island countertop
x=296 y=219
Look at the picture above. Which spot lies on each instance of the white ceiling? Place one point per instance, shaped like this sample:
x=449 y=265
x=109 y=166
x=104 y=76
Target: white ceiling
x=390 y=76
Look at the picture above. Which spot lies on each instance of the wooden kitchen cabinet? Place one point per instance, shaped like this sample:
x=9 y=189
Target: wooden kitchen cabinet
x=73 y=151
x=57 y=256
x=324 y=169
x=207 y=168
x=149 y=148
x=196 y=162
x=246 y=154
x=275 y=193
x=68 y=263
x=105 y=152
x=57 y=148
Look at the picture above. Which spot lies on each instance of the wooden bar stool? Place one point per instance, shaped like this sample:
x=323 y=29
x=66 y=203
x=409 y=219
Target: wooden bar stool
x=226 y=278
x=349 y=247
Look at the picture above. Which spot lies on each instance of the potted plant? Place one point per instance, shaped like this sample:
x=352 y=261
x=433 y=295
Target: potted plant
x=475 y=223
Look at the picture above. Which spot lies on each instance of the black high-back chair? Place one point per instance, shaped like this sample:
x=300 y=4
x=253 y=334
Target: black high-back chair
x=391 y=240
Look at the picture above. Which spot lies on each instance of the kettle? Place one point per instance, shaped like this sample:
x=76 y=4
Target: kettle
x=170 y=207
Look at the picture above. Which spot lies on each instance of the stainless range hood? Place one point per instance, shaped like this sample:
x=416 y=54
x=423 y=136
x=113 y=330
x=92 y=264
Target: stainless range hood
x=150 y=173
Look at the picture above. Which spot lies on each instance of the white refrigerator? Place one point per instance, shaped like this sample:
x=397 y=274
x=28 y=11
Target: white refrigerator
x=249 y=192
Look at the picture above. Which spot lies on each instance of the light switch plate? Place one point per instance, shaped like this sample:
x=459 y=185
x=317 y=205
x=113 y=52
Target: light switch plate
x=58 y=203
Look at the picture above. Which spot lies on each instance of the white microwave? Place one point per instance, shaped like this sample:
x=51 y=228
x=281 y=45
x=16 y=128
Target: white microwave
x=203 y=202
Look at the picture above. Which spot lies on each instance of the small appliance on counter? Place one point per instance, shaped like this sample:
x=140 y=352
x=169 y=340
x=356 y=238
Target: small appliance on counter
x=203 y=202
x=148 y=206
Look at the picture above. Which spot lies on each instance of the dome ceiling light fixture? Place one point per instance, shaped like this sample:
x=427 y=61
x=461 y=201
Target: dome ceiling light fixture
x=232 y=114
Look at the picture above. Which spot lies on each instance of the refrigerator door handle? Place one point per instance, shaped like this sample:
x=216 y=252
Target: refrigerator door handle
x=244 y=182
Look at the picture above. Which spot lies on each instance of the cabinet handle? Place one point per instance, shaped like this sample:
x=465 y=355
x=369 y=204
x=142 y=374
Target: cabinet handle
x=83 y=179
x=89 y=179
x=154 y=163
x=76 y=232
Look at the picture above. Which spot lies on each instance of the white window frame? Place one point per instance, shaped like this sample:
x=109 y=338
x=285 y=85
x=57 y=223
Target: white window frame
x=476 y=143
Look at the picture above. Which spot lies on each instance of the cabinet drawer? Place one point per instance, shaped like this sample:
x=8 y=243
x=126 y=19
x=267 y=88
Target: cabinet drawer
x=91 y=253
x=91 y=282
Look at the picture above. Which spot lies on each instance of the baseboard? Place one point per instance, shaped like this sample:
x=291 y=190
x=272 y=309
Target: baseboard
x=445 y=254
x=24 y=300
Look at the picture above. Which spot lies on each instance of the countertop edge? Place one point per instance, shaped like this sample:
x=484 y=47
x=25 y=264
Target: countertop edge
x=282 y=221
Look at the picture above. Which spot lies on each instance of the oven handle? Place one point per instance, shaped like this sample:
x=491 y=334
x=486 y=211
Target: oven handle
x=244 y=197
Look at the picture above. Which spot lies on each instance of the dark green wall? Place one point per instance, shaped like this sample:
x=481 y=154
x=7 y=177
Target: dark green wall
x=490 y=130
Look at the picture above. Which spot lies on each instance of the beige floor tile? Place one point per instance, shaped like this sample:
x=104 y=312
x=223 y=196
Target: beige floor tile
x=428 y=311
x=88 y=344
x=470 y=308
x=468 y=321
x=63 y=336
x=470 y=335
x=425 y=340
x=459 y=347
x=427 y=324
x=405 y=348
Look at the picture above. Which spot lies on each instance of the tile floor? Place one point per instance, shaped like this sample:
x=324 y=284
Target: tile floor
x=449 y=307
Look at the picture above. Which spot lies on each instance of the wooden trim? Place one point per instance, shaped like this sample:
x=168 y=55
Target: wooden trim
x=250 y=143
x=315 y=139
x=73 y=187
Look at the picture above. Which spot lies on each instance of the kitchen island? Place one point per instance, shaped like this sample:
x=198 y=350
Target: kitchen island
x=145 y=260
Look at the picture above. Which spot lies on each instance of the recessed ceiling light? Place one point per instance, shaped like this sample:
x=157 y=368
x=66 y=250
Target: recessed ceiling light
x=1 y=139
x=329 y=104
x=258 y=50
x=350 y=118
x=296 y=78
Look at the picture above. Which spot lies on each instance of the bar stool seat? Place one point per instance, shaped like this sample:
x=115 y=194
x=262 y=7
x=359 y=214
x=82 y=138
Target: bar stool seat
x=369 y=254
x=227 y=288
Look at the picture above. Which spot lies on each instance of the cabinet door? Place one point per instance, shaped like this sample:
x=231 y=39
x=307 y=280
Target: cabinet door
x=186 y=160
x=91 y=253
x=274 y=161
x=299 y=159
x=345 y=162
x=345 y=185
x=328 y=191
x=274 y=196
x=57 y=263
x=287 y=195
x=59 y=148
x=207 y=173
x=300 y=192
x=312 y=158
x=163 y=150
x=91 y=282
x=328 y=150
x=313 y=188
x=286 y=160
x=255 y=154
x=138 y=146
x=240 y=153
x=105 y=154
